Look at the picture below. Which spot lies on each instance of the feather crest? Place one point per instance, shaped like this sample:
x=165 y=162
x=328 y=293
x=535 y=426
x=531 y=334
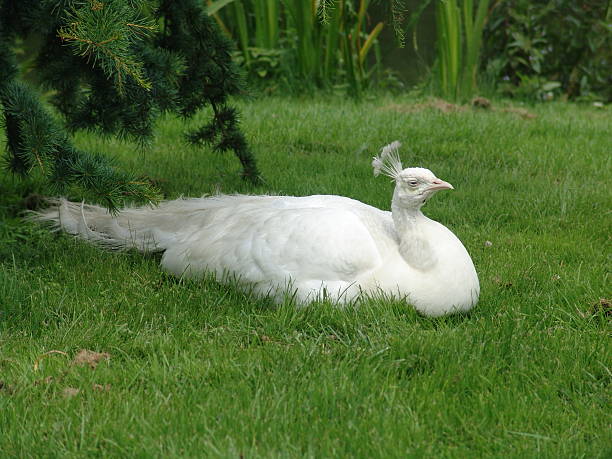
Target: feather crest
x=388 y=162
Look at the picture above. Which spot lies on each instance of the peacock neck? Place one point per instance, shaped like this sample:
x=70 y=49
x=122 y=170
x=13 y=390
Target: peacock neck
x=404 y=218
x=414 y=246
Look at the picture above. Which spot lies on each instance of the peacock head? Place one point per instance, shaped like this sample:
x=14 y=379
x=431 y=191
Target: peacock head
x=413 y=185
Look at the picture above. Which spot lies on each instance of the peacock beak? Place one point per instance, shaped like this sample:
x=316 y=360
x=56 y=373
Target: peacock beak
x=438 y=184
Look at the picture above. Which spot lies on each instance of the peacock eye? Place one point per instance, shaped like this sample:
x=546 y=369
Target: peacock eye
x=413 y=182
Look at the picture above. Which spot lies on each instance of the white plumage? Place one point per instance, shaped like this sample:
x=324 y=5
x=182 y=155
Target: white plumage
x=308 y=247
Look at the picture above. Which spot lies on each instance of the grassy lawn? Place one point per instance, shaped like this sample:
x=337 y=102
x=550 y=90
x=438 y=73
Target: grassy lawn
x=200 y=369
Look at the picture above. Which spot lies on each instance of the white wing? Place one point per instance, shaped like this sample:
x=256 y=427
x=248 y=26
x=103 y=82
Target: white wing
x=279 y=238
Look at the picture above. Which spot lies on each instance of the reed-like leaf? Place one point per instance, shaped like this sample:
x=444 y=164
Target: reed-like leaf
x=351 y=69
x=215 y=6
x=303 y=18
x=455 y=45
x=371 y=38
x=324 y=45
x=334 y=28
x=272 y=23
x=213 y=10
x=361 y=12
x=260 y=12
x=442 y=42
x=242 y=29
x=459 y=35
x=474 y=44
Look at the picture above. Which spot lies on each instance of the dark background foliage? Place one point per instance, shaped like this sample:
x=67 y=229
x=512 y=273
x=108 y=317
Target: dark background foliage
x=531 y=50
x=559 y=46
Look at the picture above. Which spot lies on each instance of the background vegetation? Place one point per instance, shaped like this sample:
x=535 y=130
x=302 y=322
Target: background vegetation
x=303 y=45
x=542 y=51
x=531 y=51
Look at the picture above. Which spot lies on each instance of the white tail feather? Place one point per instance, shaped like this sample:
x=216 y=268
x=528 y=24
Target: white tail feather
x=131 y=229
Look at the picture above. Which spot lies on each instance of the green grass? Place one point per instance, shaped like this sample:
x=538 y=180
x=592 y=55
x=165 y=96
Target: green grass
x=200 y=369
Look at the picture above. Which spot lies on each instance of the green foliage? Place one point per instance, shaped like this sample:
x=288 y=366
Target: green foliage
x=264 y=64
x=202 y=85
x=32 y=135
x=544 y=50
x=459 y=29
x=114 y=66
x=307 y=44
x=36 y=141
x=106 y=32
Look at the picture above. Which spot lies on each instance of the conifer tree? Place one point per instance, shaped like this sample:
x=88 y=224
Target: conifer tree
x=113 y=66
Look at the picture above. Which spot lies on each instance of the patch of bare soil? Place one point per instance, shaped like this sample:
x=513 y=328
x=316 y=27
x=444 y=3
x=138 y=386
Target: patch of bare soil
x=6 y=388
x=101 y=387
x=478 y=103
x=523 y=113
x=91 y=358
x=481 y=102
x=70 y=392
x=603 y=307
x=83 y=358
x=436 y=104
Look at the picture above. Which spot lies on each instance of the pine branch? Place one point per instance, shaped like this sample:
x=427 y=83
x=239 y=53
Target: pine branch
x=35 y=140
x=222 y=134
x=32 y=134
x=109 y=69
x=210 y=78
x=105 y=33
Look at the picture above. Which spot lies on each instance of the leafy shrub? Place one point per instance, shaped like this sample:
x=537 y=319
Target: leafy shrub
x=546 y=49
